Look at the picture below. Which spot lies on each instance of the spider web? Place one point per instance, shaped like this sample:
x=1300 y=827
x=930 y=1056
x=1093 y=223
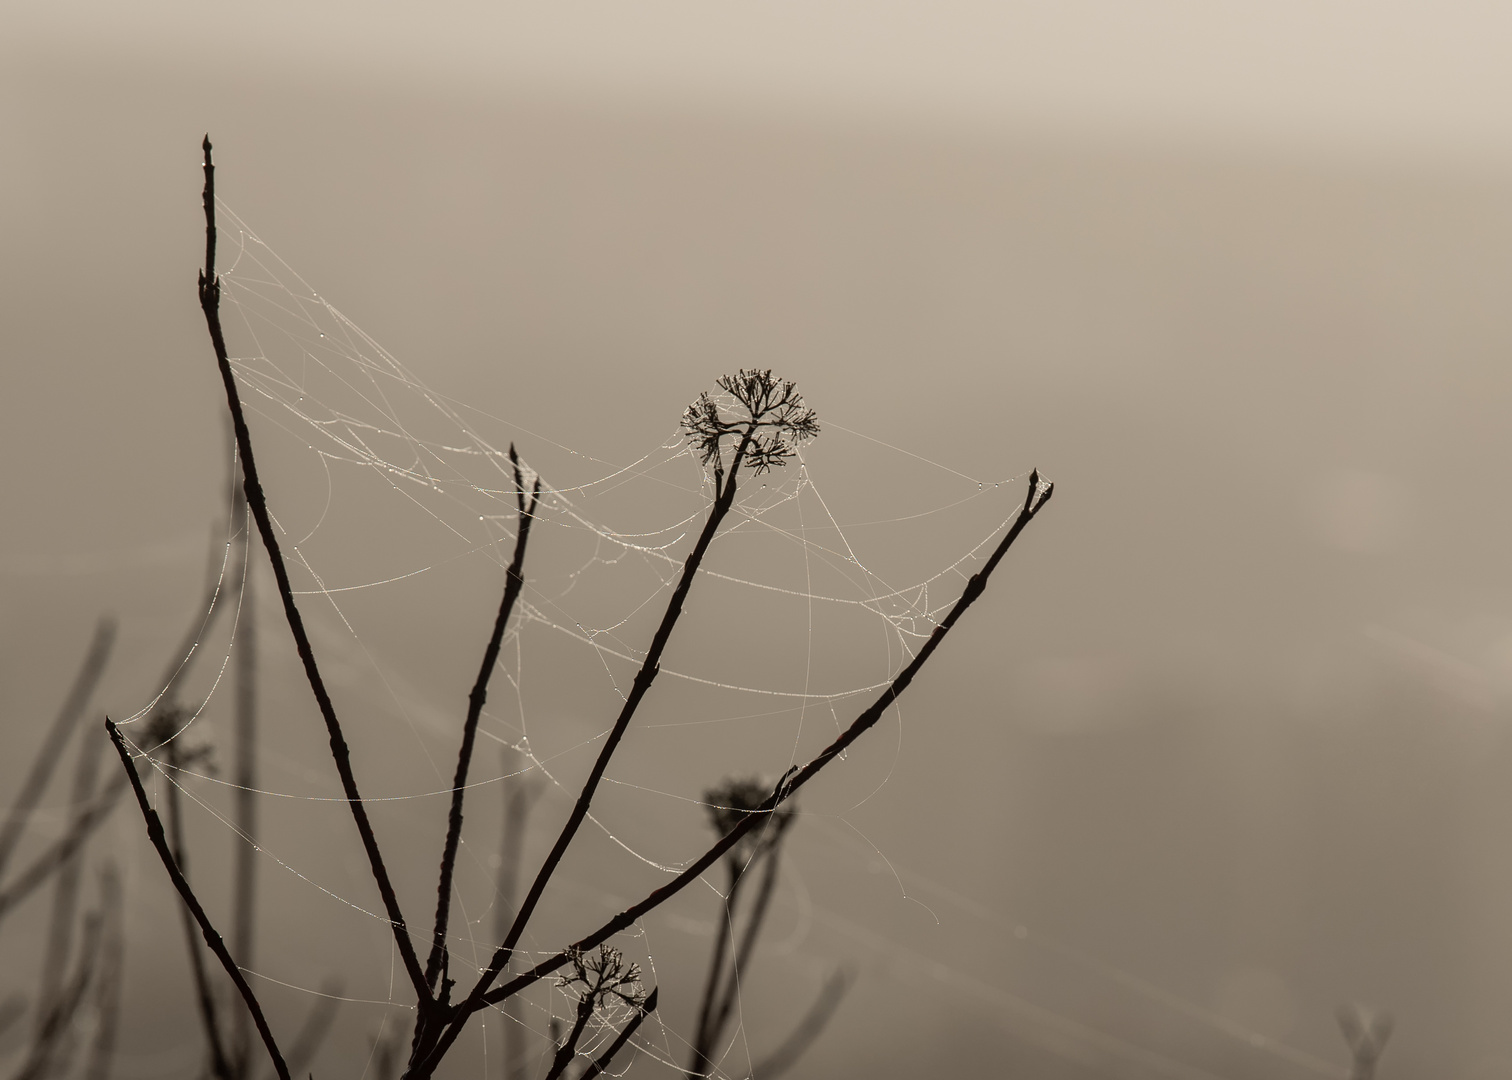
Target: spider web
x=397 y=508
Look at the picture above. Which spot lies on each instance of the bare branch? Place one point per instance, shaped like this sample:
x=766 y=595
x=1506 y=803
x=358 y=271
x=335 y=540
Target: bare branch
x=209 y=294
x=211 y=935
x=514 y=582
x=1038 y=496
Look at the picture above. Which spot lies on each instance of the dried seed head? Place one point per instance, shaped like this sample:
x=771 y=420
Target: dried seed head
x=763 y=415
x=598 y=976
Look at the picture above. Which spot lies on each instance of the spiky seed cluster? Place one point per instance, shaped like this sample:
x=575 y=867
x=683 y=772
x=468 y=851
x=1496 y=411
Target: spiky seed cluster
x=600 y=975
x=768 y=415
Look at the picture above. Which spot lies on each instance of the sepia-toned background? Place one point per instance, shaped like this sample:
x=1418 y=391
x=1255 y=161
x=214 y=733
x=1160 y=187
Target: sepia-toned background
x=1227 y=745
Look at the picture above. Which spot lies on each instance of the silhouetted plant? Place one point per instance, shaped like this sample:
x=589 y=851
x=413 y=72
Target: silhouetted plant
x=755 y=423
x=600 y=981
x=757 y=854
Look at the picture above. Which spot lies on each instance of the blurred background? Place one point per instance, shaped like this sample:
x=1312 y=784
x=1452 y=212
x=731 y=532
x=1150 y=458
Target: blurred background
x=1224 y=748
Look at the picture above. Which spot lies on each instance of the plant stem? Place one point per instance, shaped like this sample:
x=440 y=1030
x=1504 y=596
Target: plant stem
x=514 y=582
x=209 y=294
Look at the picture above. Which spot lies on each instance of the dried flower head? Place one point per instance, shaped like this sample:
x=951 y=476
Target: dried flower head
x=764 y=419
x=735 y=798
x=161 y=737
x=598 y=976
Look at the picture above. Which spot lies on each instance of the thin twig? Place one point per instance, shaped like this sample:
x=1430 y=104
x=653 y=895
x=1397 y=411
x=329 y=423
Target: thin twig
x=51 y=750
x=211 y=935
x=784 y=790
x=626 y=1033
x=209 y=294
x=513 y=583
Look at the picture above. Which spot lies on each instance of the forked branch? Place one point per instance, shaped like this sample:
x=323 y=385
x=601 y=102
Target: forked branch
x=1038 y=495
x=209 y=295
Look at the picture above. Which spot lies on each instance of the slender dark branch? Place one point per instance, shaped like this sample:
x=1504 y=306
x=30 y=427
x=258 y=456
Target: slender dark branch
x=57 y=855
x=209 y=294
x=211 y=935
x=514 y=582
x=51 y=750
x=809 y=1028
x=790 y=784
x=626 y=1033
x=220 y=1064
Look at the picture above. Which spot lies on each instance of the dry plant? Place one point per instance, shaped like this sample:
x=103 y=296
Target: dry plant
x=757 y=855
x=755 y=424
x=1366 y=1032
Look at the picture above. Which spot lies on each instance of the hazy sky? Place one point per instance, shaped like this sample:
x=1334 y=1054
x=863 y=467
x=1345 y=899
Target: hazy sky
x=1234 y=727
x=1394 y=75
